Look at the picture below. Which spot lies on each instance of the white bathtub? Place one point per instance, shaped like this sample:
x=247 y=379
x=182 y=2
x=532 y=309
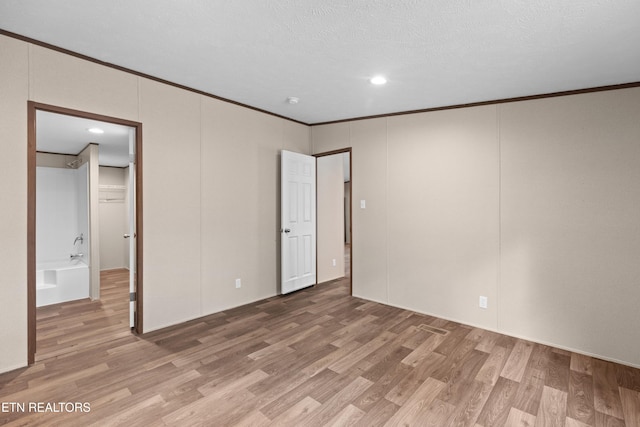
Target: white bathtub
x=61 y=281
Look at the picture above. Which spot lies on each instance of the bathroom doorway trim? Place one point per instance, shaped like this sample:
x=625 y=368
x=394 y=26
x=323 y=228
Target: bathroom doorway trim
x=32 y=107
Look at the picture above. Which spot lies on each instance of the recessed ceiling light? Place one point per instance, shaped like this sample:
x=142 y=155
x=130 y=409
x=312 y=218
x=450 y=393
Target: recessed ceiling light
x=95 y=130
x=378 y=80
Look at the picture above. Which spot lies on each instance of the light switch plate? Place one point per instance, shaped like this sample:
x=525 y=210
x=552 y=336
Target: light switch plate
x=483 y=302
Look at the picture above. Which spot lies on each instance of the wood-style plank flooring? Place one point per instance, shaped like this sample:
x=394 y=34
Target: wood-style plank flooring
x=66 y=328
x=317 y=357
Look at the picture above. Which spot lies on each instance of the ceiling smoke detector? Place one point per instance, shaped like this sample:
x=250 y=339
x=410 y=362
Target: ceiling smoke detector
x=293 y=100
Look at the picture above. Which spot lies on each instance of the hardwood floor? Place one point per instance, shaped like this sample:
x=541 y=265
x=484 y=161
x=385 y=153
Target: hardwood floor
x=317 y=357
x=72 y=326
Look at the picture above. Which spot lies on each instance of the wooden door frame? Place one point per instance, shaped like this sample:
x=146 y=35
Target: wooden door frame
x=331 y=153
x=32 y=108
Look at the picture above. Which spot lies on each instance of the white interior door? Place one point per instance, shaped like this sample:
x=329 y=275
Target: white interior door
x=132 y=229
x=298 y=221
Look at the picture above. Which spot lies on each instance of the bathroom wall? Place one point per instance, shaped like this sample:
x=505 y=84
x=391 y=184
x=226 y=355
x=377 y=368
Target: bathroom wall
x=57 y=219
x=90 y=157
x=82 y=180
x=53 y=160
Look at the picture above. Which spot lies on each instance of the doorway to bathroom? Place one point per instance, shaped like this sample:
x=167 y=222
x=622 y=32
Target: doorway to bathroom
x=84 y=229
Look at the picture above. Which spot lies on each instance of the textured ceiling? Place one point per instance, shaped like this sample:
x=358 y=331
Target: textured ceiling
x=434 y=53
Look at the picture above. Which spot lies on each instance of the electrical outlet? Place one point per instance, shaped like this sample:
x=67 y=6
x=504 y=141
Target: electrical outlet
x=334 y=262
x=238 y=283
x=483 y=302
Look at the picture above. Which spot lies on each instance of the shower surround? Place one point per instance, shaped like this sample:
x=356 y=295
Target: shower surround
x=62 y=235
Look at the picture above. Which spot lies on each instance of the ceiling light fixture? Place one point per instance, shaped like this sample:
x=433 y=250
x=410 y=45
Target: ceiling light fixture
x=293 y=100
x=95 y=130
x=378 y=80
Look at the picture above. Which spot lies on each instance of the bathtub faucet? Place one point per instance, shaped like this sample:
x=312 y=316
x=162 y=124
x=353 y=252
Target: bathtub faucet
x=75 y=256
x=80 y=237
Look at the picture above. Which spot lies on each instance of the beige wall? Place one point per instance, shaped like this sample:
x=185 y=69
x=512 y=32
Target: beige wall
x=210 y=187
x=369 y=175
x=533 y=204
x=114 y=219
x=240 y=207
x=570 y=216
x=442 y=206
x=14 y=88
x=330 y=217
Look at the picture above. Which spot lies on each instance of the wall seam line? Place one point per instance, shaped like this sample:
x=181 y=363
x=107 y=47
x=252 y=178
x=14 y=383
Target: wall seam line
x=499 y=275
x=200 y=210
x=386 y=201
x=29 y=73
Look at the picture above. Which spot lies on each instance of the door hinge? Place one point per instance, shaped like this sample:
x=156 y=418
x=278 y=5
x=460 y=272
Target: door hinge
x=132 y=296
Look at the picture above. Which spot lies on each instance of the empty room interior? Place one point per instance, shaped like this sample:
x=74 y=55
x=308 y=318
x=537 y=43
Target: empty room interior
x=320 y=213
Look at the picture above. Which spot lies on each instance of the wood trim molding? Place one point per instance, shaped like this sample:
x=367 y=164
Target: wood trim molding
x=83 y=114
x=31 y=232
x=32 y=108
x=492 y=102
x=332 y=152
x=139 y=74
x=400 y=113
x=139 y=229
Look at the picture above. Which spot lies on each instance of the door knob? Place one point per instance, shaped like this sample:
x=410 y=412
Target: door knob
x=287 y=230
x=126 y=236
